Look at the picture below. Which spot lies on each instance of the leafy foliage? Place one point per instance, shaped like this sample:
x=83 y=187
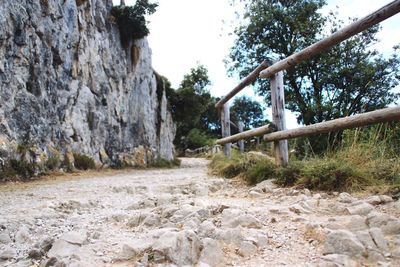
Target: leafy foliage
x=350 y=78
x=197 y=138
x=248 y=111
x=131 y=20
x=193 y=110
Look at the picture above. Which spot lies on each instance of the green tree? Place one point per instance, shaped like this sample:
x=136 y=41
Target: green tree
x=197 y=80
x=193 y=110
x=347 y=79
x=131 y=20
x=248 y=111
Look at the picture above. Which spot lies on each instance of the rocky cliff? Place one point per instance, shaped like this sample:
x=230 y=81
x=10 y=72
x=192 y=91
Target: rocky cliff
x=67 y=85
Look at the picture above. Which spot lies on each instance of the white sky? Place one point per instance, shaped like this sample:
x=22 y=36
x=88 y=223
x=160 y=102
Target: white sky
x=184 y=32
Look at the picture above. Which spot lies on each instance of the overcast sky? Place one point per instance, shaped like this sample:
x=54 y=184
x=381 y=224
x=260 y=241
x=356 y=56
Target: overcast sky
x=184 y=32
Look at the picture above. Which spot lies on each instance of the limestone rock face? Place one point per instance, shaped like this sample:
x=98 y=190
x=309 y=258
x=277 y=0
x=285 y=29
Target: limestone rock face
x=67 y=84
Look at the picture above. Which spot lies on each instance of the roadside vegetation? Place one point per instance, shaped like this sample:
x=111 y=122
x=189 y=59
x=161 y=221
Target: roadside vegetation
x=367 y=157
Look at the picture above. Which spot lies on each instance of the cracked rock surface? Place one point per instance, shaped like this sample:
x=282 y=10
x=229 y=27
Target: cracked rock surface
x=185 y=217
x=67 y=85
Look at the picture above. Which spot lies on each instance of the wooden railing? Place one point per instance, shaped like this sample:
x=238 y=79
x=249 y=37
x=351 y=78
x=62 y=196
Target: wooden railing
x=277 y=132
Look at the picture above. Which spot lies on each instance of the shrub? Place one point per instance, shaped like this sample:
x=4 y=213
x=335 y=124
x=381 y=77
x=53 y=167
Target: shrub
x=197 y=138
x=131 y=20
x=163 y=163
x=254 y=168
x=23 y=169
x=83 y=162
x=260 y=171
x=289 y=175
x=52 y=163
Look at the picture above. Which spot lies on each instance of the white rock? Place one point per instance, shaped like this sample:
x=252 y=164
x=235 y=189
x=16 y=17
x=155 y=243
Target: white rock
x=385 y=199
x=247 y=249
x=373 y=200
x=23 y=236
x=299 y=209
x=212 y=253
x=397 y=205
x=343 y=242
x=76 y=238
x=376 y=256
x=366 y=239
x=8 y=254
x=151 y=220
x=379 y=239
x=345 y=198
x=255 y=194
x=339 y=260
x=62 y=248
x=307 y=192
x=207 y=228
x=133 y=248
x=230 y=235
x=5 y=238
x=360 y=209
x=354 y=222
x=233 y=218
x=388 y=224
x=182 y=248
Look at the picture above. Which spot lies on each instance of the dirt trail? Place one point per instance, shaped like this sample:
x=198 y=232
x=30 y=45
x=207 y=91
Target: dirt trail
x=184 y=216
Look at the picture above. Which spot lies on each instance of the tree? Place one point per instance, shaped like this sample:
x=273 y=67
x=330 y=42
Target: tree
x=248 y=111
x=193 y=110
x=131 y=20
x=197 y=80
x=349 y=78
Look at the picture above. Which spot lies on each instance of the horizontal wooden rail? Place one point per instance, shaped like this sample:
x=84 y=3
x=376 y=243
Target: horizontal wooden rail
x=368 y=118
x=247 y=134
x=339 y=36
x=245 y=82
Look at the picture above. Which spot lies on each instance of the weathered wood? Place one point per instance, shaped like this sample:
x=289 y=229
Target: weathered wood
x=245 y=82
x=343 y=34
x=226 y=128
x=377 y=116
x=241 y=142
x=278 y=118
x=247 y=134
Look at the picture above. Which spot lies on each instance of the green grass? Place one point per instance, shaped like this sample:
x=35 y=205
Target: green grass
x=368 y=157
x=253 y=168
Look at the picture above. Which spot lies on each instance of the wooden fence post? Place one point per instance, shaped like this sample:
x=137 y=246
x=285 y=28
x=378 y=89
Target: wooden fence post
x=278 y=118
x=226 y=128
x=241 y=142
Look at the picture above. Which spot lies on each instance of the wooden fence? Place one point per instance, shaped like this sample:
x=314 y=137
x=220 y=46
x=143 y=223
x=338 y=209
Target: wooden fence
x=277 y=132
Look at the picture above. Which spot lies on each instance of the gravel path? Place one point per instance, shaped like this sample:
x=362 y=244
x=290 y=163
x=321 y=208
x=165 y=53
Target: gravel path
x=183 y=216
